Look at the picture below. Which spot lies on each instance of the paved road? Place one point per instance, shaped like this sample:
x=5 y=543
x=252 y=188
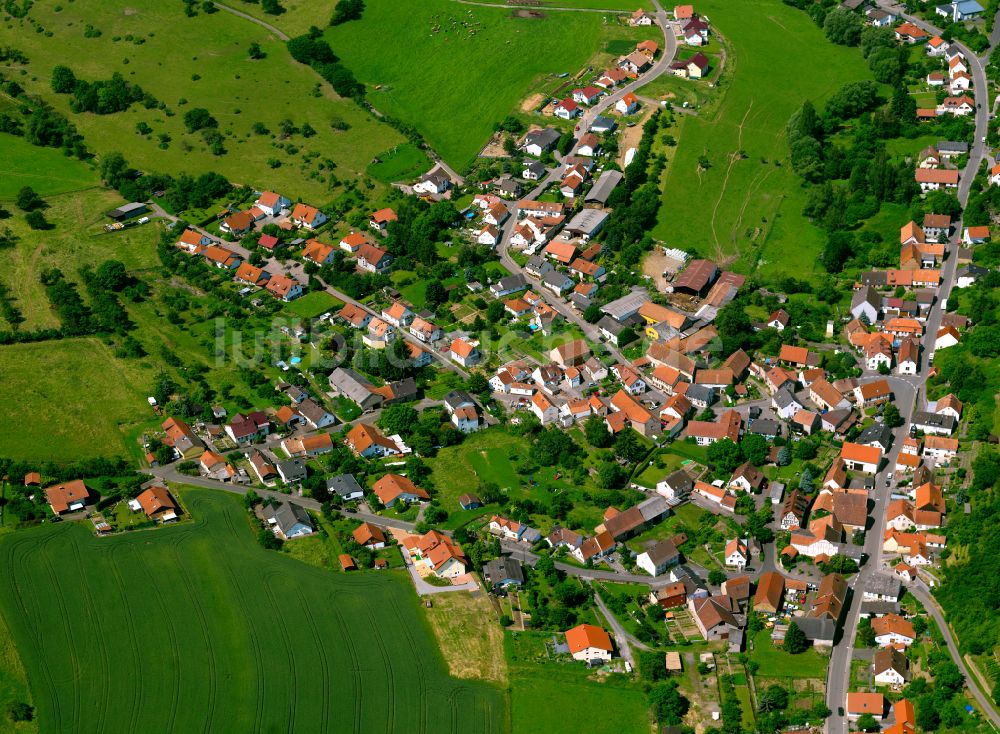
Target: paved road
x=921 y=593
x=281 y=35
x=623 y=639
x=907 y=390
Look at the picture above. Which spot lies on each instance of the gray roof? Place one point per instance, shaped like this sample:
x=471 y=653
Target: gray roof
x=972 y=271
x=627 y=305
x=503 y=570
x=608 y=324
x=405 y=389
x=653 y=508
x=824 y=629
x=536 y=167
x=935 y=420
x=345 y=485
x=700 y=393
x=291 y=470
x=868 y=295
x=663 y=552
x=510 y=284
x=313 y=411
x=679 y=481
x=968 y=6
x=604 y=185
x=535 y=262
x=602 y=124
x=530 y=535
x=545 y=138
x=878 y=608
x=557 y=279
x=764 y=427
x=879 y=432
x=351 y=384
x=286 y=515
x=951 y=146
x=456 y=399
x=785 y=397
x=883 y=584
x=587 y=221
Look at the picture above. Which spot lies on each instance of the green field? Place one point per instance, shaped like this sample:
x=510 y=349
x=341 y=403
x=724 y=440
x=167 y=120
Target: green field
x=46 y=170
x=556 y=697
x=619 y=5
x=198 y=62
x=196 y=628
x=445 y=80
x=405 y=162
x=76 y=239
x=312 y=305
x=70 y=399
x=746 y=208
x=776 y=663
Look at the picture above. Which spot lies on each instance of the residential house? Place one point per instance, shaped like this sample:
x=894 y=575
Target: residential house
x=861 y=458
x=288 y=520
x=369 y=536
x=346 y=487
x=380 y=220
x=369 y=442
x=890 y=667
x=503 y=573
x=374 y=259
x=393 y=488
x=248 y=428
x=285 y=288
x=657 y=559
x=71 y=496
x=463 y=352
x=307 y=216
x=589 y=644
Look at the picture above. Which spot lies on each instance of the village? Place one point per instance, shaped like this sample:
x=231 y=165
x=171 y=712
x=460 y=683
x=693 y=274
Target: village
x=817 y=473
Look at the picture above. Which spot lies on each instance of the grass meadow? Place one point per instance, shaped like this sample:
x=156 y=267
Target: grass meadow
x=46 y=170
x=198 y=62
x=197 y=628
x=454 y=71
x=69 y=399
x=743 y=207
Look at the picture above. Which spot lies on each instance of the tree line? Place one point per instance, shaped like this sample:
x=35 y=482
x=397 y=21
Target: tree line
x=102 y=97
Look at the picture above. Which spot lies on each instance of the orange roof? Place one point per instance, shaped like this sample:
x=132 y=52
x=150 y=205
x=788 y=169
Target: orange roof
x=866 y=703
x=893 y=624
x=61 y=496
x=910 y=230
x=190 y=237
x=585 y=636
x=317 y=251
x=384 y=216
x=156 y=499
x=367 y=533
x=797 y=355
x=937 y=175
x=856 y=452
x=462 y=348
x=391 y=486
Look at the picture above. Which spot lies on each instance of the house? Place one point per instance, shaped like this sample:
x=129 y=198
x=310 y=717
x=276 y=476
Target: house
x=793 y=511
x=908 y=357
x=567 y=109
x=628 y=412
x=934 y=423
x=398 y=314
x=959 y=11
x=248 y=428
x=748 y=478
x=960 y=106
x=825 y=396
x=969 y=275
x=859 y=704
x=821 y=622
x=288 y=520
x=180 y=436
x=947 y=336
x=393 y=488
x=872 y=393
x=433 y=182
x=671 y=596
x=737 y=553
x=463 y=352
x=975 y=235
x=594 y=549
x=933 y=179
x=589 y=644
x=194 y=242
x=221 y=257
x=469 y=501
x=307 y=216
x=880 y=18
x=463 y=410
x=439 y=553
x=347 y=383
x=533 y=171
x=369 y=442
x=657 y=559
x=949 y=405
x=708 y=432
x=508 y=285
x=315 y=414
x=158 y=505
x=627 y=105
x=697 y=66
x=713 y=616
x=272 y=204
x=635 y=63
x=695 y=32
x=641 y=18
x=67 y=497
x=557 y=282
x=318 y=252
x=892 y=630
x=346 y=487
x=785 y=403
x=373 y=259
x=352 y=242
x=283 y=287
x=866 y=304
x=587 y=95
x=251 y=275
x=861 y=458
x=293 y=471
x=571 y=353
x=238 y=224
x=369 y=536
x=909 y=33
x=770 y=592
x=778 y=319
x=538 y=142
x=380 y=220
x=890 y=667
x=503 y=572
x=589 y=145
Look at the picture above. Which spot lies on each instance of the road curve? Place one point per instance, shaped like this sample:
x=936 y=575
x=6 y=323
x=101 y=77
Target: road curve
x=280 y=35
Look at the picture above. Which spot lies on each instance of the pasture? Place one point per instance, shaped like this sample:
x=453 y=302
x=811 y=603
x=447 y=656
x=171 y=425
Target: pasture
x=69 y=399
x=196 y=628
x=453 y=71
x=312 y=305
x=46 y=170
x=618 y=5
x=76 y=239
x=748 y=202
x=208 y=68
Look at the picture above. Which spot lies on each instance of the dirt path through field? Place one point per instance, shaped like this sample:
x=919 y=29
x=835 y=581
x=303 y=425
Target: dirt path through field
x=733 y=157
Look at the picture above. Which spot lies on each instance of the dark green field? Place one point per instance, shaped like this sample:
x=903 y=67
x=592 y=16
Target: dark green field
x=196 y=628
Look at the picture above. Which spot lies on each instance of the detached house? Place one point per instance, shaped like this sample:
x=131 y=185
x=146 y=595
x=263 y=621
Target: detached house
x=272 y=204
x=861 y=458
x=567 y=109
x=380 y=220
x=307 y=216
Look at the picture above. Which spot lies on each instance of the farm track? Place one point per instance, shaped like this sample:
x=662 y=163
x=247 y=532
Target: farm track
x=733 y=158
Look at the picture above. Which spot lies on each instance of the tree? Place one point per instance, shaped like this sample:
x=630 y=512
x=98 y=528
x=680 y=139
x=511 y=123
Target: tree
x=271 y=7
x=20 y=711
x=843 y=27
x=37 y=220
x=841 y=564
x=28 y=199
x=478 y=384
x=891 y=416
x=773 y=698
x=806 y=481
x=669 y=706
x=596 y=432
x=784 y=456
x=111 y=275
x=401 y=419
x=435 y=294
x=724 y=455
x=255 y=51
x=628 y=446
x=610 y=475
x=592 y=314
x=347 y=10
x=754 y=449
x=867 y=722
x=716 y=577
x=198 y=118
x=866 y=635
x=63 y=80
x=795 y=640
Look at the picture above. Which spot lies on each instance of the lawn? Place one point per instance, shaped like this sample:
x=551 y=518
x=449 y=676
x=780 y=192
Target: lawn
x=551 y=696
x=76 y=239
x=197 y=628
x=777 y=58
x=73 y=399
x=776 y=663
x=442 y=71
x=46 y=170
x=312 y=305
x=209 y=68
x=404 y=162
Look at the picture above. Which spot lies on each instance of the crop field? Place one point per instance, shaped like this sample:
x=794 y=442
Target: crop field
x=749 y=205
x=198 y=62
x=69 y=399
x=196 y=628
x=454 y=71
x=46 y=170
x=77 y=238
